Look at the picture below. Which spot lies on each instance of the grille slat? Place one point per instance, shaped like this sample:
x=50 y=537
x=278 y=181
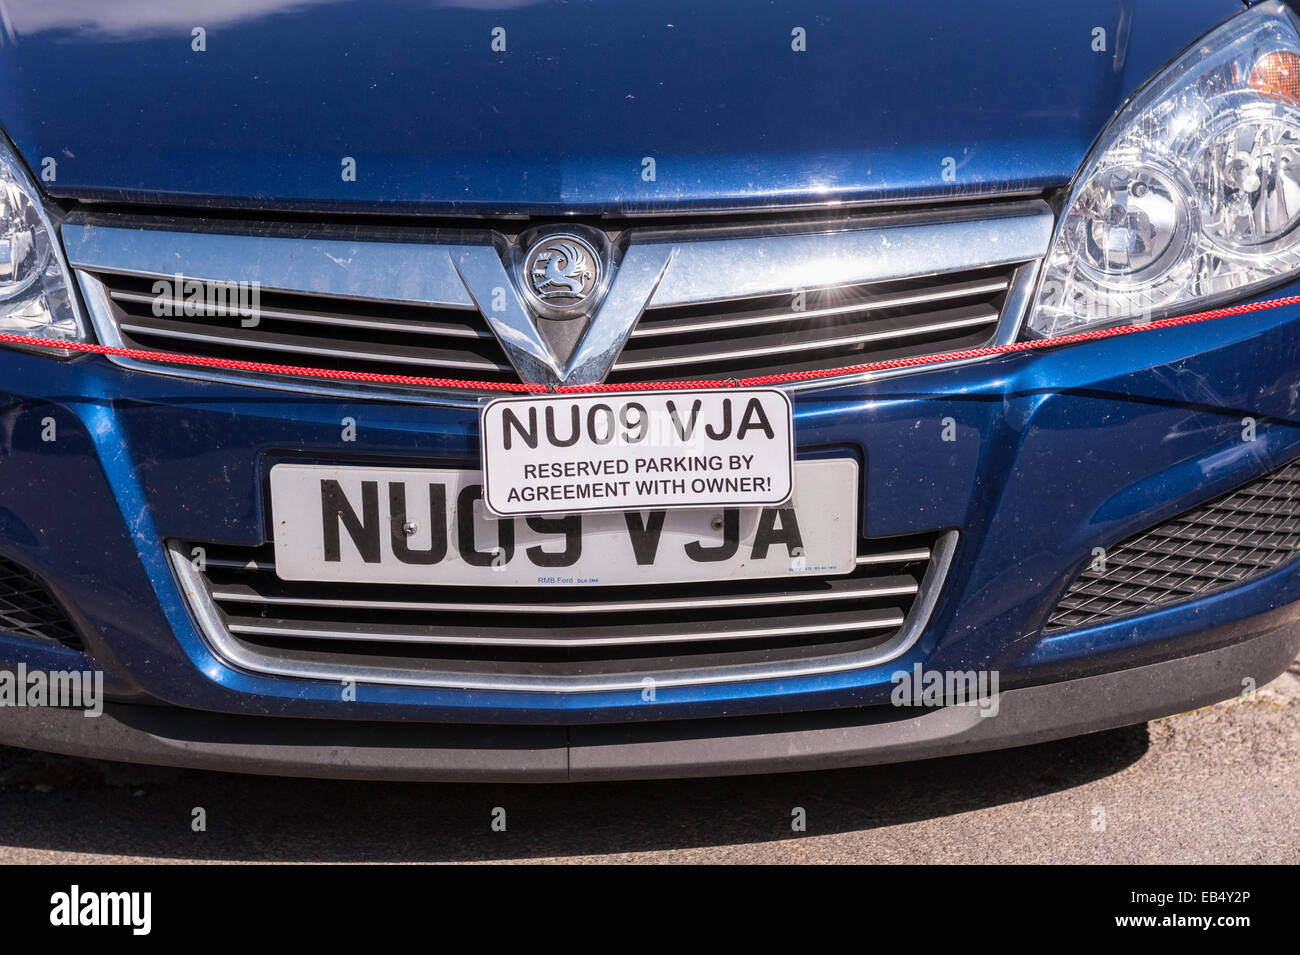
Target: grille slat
x=411 y=327
x=292 y=344
x=543 y=635
x=1232 y=539
x=844 y=338
x=782 y=312
x=862 y=560
x=857 y=589
x=570 y=638
x=872 y=558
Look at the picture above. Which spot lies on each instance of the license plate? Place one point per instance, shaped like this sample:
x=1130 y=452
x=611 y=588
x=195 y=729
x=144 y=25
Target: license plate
x=586 y=454
x=425 y=526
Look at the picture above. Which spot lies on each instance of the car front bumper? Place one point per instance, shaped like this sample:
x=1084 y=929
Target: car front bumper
x=826 y=739
x=1052 y=454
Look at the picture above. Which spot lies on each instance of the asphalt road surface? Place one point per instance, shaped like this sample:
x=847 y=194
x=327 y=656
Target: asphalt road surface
x=1220 y=784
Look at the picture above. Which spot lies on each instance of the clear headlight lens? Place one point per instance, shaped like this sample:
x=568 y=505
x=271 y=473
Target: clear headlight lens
x=1192 y=194
x=34 y=296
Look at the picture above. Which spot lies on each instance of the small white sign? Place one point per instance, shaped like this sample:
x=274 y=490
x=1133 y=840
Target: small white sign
x=726 y=447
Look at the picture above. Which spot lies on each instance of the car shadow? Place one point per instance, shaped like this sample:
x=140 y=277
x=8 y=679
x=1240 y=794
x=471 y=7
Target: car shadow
x=54 y=803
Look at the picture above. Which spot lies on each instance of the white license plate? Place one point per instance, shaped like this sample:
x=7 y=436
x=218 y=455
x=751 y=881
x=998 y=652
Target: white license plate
x=425 y=526
x=585 y=454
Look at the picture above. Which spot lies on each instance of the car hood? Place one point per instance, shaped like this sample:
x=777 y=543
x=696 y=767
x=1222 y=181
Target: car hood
x=600 y=106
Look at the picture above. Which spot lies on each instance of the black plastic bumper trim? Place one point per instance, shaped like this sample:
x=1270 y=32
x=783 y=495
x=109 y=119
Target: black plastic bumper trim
x=724 y=746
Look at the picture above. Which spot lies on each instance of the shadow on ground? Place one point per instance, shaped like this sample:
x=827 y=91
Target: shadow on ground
x=61 y=804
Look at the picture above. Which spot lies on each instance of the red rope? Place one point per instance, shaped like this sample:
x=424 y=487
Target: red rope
x=786 y=378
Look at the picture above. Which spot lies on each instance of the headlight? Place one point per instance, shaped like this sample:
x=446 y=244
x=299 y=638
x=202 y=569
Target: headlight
x=34 y=282
x=1192 y=194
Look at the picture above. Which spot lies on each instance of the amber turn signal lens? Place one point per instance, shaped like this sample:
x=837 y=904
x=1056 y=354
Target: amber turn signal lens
x=1278 y=75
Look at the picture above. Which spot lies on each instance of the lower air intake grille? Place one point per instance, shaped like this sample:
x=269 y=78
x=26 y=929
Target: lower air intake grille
x=28 y=610
x=1232 y=539
x=593 y=638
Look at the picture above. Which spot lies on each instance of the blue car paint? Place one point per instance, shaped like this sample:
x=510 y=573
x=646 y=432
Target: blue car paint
x=1057 y=452
x=560 y=122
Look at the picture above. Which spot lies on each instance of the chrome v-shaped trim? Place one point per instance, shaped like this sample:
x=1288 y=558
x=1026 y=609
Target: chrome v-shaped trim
x=516 y=327
x=488 y=284
x=635 y=282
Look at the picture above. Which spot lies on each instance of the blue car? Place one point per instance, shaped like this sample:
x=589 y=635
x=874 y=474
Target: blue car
x=547 y=391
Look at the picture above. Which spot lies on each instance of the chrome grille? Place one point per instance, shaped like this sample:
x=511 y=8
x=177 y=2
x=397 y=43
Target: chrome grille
x=1230 y=540
x=816 y=328
x=702 y=302
x=379 y=337
x=588 y=639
